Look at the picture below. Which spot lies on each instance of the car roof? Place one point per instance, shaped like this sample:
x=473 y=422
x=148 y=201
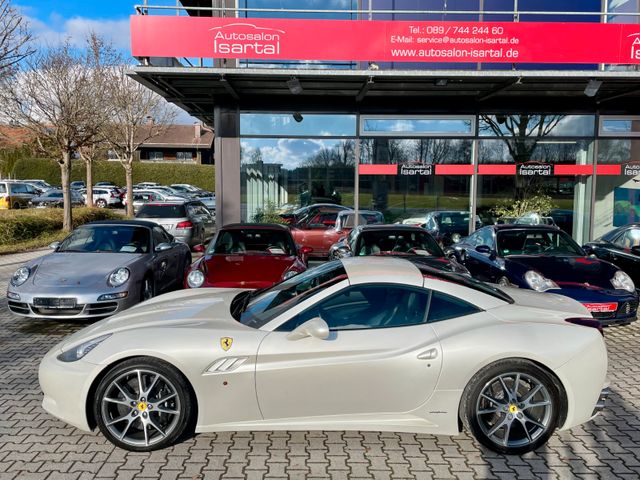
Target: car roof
x=134 y=223
x=512 y=226
x=383 y=270
x=391 y=226
x=240 y=226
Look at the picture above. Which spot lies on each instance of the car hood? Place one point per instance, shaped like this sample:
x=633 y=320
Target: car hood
x=182 y=308
x=80 y=269
x=568 y=270
x=547 y=301
x=239 y=268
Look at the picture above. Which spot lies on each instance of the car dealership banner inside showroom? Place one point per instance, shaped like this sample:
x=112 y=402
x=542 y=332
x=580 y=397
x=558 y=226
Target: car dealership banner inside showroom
x=406 y=116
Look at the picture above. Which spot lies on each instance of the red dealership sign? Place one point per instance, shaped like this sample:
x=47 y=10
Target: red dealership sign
x=384 y=41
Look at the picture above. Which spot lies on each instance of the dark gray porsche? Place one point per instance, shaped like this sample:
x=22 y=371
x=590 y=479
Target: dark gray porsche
x=101 y=268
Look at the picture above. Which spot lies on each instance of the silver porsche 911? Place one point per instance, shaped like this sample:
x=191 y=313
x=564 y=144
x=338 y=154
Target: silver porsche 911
x=379 y=344
x=100 y=269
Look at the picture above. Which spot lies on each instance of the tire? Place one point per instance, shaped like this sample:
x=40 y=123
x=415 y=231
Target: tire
x=101 y=203
x=133 y=419
x=16 y=206
x=147 y=289
x=507 y=424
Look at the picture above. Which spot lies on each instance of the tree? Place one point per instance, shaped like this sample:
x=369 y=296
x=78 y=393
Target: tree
x=58 y=97
x=89 y=153
x=14 y=39
x=139 y=114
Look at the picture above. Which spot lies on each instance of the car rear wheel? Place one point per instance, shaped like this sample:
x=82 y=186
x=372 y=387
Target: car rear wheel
x=101 y=203
x=144 y=404
x=16 y=206
x=148 y=289
x=512 y=406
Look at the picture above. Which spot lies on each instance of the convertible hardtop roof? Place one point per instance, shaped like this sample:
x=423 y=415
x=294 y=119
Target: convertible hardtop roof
x=262 y=226
x=133 y=223
x=391 y=226
x=514 y=226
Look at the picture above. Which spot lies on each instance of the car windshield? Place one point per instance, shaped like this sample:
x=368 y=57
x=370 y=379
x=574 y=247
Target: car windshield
x=107 y=238
x=253 y=240
x=453 y=220
x=256 y=309
x=390 y=242
x=537 y=242
x=162 y=211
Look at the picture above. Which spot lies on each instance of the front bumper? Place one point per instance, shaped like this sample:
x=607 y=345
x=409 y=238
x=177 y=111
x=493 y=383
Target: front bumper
x=87 y=304
x=65 y=387
x=609 y=307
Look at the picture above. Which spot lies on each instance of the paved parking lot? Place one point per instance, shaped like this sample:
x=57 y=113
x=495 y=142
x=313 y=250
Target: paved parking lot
x=33 y=445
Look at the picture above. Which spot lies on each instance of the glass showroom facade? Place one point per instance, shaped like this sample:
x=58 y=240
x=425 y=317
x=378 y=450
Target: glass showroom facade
x=408 y=165
x=405 y=138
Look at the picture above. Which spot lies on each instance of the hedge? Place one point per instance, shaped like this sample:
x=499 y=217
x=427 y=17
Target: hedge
x=202 y=176
x=21 y=225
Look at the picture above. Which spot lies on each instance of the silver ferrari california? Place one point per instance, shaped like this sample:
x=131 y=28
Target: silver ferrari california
x=100 y=269
x=379 y=344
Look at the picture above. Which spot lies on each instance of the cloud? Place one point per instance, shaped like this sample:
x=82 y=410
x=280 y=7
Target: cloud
x=76 y=29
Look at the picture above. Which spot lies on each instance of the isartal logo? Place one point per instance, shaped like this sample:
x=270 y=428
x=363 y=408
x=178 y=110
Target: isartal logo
x=635 y=46
x=246 y=39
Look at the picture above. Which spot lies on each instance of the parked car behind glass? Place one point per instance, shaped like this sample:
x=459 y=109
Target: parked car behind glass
x=188 y=222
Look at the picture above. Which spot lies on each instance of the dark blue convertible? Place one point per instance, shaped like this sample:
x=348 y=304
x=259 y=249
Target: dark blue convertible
x=546 y=259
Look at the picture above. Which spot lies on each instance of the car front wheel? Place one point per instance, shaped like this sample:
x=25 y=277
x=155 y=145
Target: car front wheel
x=512 y=406
x=144 y=404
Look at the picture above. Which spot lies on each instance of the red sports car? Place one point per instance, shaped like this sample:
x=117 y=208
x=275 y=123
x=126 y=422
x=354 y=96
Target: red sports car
x=320 y=237
x=248 y=256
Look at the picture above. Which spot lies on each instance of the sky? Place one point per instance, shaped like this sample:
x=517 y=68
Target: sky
x=53 y=21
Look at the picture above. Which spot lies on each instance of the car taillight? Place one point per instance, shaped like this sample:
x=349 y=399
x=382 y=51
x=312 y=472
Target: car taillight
x=586 y=322
x=184 y=225
x=113 y=195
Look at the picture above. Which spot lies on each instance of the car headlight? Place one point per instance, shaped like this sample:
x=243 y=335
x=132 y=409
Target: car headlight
x=289 y=274
x=622 y=281
x=119 y=277
x=456 y=237
x=76 y=353
x=195 y=279
x=20 y=276
x=539 y=282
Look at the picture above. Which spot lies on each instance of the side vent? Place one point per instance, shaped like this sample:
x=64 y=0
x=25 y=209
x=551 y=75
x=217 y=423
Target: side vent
x=226 y=364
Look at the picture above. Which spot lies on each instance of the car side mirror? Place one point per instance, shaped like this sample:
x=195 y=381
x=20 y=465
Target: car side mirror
x=163 y=247
x=316 y=327
x=587 y=249
x=636 y=250
x=54 y=246
x=449 y=253
x=486 y=250
x=344 y=252
x=199 y=248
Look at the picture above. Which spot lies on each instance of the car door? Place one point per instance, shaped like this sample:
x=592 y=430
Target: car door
x=165 y=263
x=380 y=357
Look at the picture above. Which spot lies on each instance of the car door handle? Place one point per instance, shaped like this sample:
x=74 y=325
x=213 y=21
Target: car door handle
x=430 y=354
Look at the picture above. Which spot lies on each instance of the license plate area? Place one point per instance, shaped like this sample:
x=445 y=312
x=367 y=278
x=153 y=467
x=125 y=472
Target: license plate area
x=57 y=303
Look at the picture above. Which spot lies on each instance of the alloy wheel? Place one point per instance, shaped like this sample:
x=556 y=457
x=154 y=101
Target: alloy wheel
x=140 y=407
x=514 y=410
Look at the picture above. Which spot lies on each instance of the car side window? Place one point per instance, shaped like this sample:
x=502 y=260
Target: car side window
x=474 y=239
x=18 y=188
x=630 y=238
x=368 y=306
x=160 y=236
x=444 y=307
x=485 y=237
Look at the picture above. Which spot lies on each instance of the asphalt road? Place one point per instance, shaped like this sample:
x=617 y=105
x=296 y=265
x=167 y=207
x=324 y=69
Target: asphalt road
x=34 y=445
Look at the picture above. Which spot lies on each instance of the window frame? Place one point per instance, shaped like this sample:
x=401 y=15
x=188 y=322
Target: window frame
x=413 y=134
x=603 y=118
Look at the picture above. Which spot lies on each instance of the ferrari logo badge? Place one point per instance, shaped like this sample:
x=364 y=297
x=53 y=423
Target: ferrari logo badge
x=226 y=342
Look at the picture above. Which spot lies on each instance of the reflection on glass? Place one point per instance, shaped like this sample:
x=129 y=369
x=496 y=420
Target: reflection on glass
x=544 y=125
x=406 y=196
x=515 y=150
x=615 y=196
x=298 y=125
x=280 y=175
x=620 y=126
x=410 y=126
